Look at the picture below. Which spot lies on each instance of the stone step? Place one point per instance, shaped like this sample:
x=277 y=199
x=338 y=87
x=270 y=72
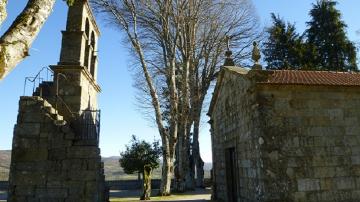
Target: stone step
x=50 y=110
x=47 y=104
x=47 y=83
x=60 y=122
x=37 y=92
x=59 y=117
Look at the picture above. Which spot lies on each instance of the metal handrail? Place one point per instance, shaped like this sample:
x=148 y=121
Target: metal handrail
x=87 y=122
x=40 y=79
x=88 y=126
x=58 y=98
x=36 y=77
x=66 y=106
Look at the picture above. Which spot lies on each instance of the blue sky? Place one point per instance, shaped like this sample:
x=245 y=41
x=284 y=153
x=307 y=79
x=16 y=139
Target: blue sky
x=120 y=116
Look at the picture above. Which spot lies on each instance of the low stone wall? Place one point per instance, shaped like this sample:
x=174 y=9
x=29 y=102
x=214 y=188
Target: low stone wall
x=130 y=184
x=4 y=185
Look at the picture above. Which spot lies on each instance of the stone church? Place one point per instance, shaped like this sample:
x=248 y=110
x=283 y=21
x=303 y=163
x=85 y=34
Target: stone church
x=55 y=151
x=285 y=136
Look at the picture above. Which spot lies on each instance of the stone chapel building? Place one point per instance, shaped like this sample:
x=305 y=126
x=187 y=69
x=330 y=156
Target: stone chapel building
x=55 y=151
x=285 y=136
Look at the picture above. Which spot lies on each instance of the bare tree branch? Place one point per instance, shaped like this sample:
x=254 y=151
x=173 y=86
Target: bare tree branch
x=178 y=46
x=15 y=43
x=3 y=13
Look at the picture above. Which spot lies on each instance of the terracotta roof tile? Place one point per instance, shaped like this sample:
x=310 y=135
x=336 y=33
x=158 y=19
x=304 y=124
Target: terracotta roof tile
x=313 y=78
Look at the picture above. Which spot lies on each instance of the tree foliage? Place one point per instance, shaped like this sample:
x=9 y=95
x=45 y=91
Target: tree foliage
x=138 y=154
x=323 y=46
x=284 y=47
x=326 y=32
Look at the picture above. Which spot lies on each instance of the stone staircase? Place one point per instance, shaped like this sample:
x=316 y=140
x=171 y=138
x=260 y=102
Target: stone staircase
x=47 y=164
x=44 y=89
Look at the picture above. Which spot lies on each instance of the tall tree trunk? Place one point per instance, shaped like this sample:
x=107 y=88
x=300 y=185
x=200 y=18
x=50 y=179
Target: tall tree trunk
x=147 y=183
x=189 y=175
x=181 y=161
x=184 y=176
x=167 y=171
x=198 y=162
x=15 y=43
x=139 y=176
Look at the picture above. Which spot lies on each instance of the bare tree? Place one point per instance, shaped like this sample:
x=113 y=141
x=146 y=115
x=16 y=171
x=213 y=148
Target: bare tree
x=236 y=20
x=178 y=45
x=149 y=25
x=16 y=41
x=206 y=26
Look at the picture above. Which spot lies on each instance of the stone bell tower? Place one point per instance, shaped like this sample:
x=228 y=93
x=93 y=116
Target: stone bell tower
x=55 y=150
x=77 y=68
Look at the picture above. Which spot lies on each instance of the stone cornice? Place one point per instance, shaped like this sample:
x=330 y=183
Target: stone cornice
x=62 y=68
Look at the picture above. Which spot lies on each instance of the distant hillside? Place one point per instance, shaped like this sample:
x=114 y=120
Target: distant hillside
x=113 y=171
x=5 y=157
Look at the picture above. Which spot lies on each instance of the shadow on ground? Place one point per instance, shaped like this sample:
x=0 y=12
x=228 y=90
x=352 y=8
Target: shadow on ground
x=198 y=195
x=3 y=196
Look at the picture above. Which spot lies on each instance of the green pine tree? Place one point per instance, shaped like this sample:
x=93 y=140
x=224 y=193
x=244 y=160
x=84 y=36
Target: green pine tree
x=284 y=48
x=326 y=33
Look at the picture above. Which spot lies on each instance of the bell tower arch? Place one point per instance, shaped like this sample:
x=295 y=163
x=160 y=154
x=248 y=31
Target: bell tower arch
x=78 y=59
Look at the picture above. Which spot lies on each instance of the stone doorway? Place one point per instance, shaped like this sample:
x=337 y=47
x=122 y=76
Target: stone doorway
x=231 y=183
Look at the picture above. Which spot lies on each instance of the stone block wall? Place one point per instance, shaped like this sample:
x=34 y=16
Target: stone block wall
x=293 y=142
x=235 y=125
x=46 y=165
x=311 y=142
x=79 y=90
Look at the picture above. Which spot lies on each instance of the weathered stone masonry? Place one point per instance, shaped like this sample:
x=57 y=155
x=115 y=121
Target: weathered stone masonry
x=47 y=164
x=55 y=153
x=293 y=140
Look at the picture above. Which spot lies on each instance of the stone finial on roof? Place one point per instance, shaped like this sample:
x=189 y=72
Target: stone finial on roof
x=256 y=57
x=228 y=60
